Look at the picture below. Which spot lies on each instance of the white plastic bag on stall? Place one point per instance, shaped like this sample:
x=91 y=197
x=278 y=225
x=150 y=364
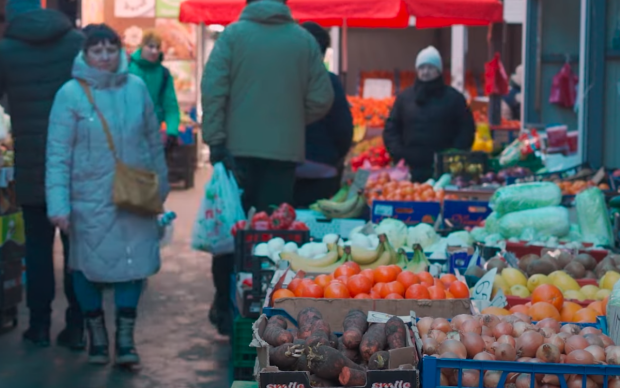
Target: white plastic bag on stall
x=5 y=124
x=220 y=209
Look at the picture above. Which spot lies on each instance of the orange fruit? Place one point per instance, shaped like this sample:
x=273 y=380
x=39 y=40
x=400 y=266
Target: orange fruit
x=495 y=311
x=312 y=291
x=363 y=296
x=448 y=279
x=385 y=274
x=282 y=293
x=597 y=306
x=359 y=284
x=392 y=288
x=394 y=296
x=407 y=279
x=336 y=291
x=426 y=277
x=396 y=268
x=459 y=290
x=299 y=290
x=568 y=311
x=605 y=301
x=542 y=310
x=417 y=291
x=585 y=315
x=345 y=270
x=323 y=280
x=550 y=294
x=370 y=274
x=520 y=308
x=353 y=265
x=437 y=292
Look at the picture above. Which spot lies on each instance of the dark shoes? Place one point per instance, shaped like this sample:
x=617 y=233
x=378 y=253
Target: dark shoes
x=38 y=336
x=126 y=354
x=222 y=319
x=72 y=337
x=98 y=343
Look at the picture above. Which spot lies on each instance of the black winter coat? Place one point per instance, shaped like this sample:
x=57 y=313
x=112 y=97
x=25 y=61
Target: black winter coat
x=328 y=140
x=36 y=58
x=416 y=132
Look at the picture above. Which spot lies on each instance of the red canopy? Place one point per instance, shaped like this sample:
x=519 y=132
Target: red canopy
x=358 y=13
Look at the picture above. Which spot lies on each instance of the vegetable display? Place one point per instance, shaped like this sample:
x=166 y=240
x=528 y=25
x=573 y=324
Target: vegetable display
x=282 y=218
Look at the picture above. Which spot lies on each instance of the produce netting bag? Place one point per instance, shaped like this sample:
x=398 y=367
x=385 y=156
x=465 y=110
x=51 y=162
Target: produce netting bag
x=491 y=224
x=525 y=196
x=593 y=217
x=546 y=221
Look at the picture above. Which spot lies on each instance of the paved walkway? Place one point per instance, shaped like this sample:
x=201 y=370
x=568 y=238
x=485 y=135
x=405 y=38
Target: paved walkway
x=178 y=345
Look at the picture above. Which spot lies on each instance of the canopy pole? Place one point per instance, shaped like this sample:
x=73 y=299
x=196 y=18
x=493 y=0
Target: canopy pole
x=459 y=53
x=336 y=50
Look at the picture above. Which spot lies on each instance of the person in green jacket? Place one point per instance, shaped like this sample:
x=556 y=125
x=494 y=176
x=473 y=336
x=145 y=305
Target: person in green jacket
x=263 y=83
x=146 y=63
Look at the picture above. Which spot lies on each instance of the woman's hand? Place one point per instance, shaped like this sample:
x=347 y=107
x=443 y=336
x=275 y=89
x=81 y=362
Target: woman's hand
x=61 y=222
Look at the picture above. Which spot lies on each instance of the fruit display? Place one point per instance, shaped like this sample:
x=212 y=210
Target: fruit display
x=340 y=206
x=370 y=112
x=498 y=335
x=282 y=218
x=577 y=186
x=7 y=156
x=383 y=188
x=467 y=164
x=330 y=360
x=581 y=266
x=366 y=145
x=373 y=158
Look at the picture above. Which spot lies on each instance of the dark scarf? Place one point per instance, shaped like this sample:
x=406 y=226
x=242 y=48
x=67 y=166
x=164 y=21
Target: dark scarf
x=426 y=90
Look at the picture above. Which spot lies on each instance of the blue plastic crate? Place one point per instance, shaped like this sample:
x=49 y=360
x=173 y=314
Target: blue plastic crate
x=465 y=213
x=409 y=212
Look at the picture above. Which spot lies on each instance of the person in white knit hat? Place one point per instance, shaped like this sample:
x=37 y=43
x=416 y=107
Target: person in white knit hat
x=427 y=118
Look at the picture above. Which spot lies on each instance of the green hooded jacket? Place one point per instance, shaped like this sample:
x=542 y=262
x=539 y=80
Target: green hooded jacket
x=263 y=83
x=164 y=96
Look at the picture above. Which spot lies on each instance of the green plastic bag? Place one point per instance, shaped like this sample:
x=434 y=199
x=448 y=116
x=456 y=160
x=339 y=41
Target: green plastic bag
x=593 y=217
x=525 y=196
x=543 y=222
x=491 y=224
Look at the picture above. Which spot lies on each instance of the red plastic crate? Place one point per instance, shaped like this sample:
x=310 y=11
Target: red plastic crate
x=522 y=249
x=515 y=300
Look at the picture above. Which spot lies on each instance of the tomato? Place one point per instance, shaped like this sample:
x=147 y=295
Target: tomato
x=394 y=296
x=359 y=284
x=437 y=292
x=353 y=265
x=459 y=290
x=312 y=291
x=417 y=291
x=287 y=212
x=392 y=288
x=337 y=291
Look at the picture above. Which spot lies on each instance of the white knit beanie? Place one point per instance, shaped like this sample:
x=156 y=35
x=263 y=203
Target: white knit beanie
x=429 y=56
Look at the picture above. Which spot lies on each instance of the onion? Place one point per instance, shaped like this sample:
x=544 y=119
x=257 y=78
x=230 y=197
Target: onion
x=471 y=326
x=580 y=357
x=570 y=329
x=563 y=358
x=528 y=343
x=491 y=378
x=524 y=359
x=614 y=382
x=443 y=380
x=523 y=317
x=424 y=325
x=458 y=320
x=448 y=355
x=512 y=319
x=453 y=346
x=612 y=355
x=594 y=339
x=486 y=331
x=524 y=379
x=547 y=332
x=575 y=342
x=548 y=353
x=489 y=320
x=474 y=344
x=453 y=335
x=597 y=351
x=507 y=339
x=437 y=335
x=518 y=328
x=441 y=324
x=576 y=382
x=565 y=335
x=484 y=356
x=502 y=328
x=430 y=346
x=549 y=323
x=557 y=341
x=504 y=352
x=471 y=378
x=488 y=343
x=551 y=380
x=606 y=340
x=590 y=330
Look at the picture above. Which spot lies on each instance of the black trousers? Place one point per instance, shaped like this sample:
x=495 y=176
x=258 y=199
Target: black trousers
x=264 y=183
x=308 y=191
x=40 y=281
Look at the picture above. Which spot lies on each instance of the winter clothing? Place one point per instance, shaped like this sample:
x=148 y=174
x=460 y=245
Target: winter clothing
x=264 y=82
x=308 y=190
x=98 y=341
x=108 y=245
x=429 y=56
x=161 y=89
x=126 y=353
x=126 y=294
x=36 y=55
x=511 y=103
x=265 y=182
x=15 y=8
x=427 y=118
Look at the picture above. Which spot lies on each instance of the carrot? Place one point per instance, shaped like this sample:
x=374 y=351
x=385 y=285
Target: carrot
x=355 y=325
x=293 y=331
x=302 y=363
x=373 y=341
x=275 y=333
x=379 y=361
x=395 y=333
x=327 y=362
x=319 y=382
x=305 y=320
x=352 y=377
x=320 y=333
x=285 y=355
x=333 y=340
x=278 y=320
x=351 y=354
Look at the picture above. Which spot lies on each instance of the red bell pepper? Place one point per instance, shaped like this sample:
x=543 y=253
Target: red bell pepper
x=298 y=225
x=239 y=225
x=260 y=221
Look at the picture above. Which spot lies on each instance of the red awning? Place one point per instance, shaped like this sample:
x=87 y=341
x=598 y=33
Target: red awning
x=445 y=13
x=328 y=13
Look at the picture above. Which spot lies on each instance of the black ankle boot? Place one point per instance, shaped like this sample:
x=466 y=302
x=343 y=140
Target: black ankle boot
x=72 y=336
x=126 y=354
x=98 y=343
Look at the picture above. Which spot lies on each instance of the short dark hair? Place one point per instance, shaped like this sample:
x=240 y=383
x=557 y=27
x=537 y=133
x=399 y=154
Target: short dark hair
x=320 y=34
x=98 y=33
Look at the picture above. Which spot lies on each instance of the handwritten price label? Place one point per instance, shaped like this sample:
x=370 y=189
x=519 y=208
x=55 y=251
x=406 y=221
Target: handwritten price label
x=499 y=300
x=377 y=317
x=484 y=288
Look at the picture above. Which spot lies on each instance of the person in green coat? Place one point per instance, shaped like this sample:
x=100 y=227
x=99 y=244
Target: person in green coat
x=146 y=63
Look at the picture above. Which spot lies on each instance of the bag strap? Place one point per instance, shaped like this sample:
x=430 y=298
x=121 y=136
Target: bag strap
x=104 y=122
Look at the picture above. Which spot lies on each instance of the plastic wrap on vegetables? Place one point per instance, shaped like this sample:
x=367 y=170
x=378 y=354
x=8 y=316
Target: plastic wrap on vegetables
x=593 y=217
x=525 y=196
x=546 y=221
x=491 y=224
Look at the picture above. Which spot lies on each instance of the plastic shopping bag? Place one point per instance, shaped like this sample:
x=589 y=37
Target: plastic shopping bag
x=5 y=124
x=220 y=209
x=543 y=222
x=593 y=217
x=495 y=78
x=564 y=88
x=524 y=196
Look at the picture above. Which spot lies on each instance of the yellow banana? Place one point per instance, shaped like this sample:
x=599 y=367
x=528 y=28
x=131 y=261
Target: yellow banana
x=365 y=256
x=388 y=247
x=298 y=262
x=333 y=209
x=384 y=259
x=402 y=259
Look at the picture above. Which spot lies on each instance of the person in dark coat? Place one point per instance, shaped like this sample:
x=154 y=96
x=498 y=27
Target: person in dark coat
x=36 y=57
x=327 y=141
x=427 y=118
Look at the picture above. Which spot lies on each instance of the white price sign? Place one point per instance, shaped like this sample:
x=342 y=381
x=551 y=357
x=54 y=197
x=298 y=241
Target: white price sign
x=499 y=300
x=377 y=317
x=484 y=287
x=459 y=276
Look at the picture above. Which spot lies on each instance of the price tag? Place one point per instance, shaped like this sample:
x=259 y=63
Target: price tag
x=599 y=176
x=479 y=305
x=499 y=300
x=435 y=270
x=474 y=259
x=377 y=88
x=484 y=287
x=383 y=210
x=377 y=317
x=359 y=182
x=511 y=259
x=460 y=277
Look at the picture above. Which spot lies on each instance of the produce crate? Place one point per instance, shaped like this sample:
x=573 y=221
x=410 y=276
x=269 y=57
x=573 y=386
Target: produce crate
x=409 y=212
x=245 y=240
x=521 y=249
x=431 y=370
x=243 y=374
x=465 y=164
x=244 y=356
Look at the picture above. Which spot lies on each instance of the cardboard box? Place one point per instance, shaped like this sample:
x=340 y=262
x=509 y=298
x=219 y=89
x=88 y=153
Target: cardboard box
x=402 y=364
x=465 y=213
x=410 y=212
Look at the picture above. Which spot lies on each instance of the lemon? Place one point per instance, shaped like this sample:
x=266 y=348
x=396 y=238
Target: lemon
x=607 y=282
x=553 y=276
x=520 y=291
x=566 y=283
x=574 y=295
x=500 y=283
x=514 y=277
x=537 y=280
x=602 y=294
x=589 y=291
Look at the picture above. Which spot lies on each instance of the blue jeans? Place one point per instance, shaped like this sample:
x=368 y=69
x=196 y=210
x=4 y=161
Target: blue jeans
x=89 y=294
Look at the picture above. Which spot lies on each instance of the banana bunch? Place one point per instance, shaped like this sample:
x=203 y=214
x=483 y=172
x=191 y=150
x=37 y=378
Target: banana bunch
x=351 y=208
x=371 y=259
x=327 y=263
x=339 y=197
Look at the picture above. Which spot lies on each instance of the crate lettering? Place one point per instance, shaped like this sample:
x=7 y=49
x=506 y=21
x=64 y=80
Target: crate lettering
x=289 y=385
x=396 y=384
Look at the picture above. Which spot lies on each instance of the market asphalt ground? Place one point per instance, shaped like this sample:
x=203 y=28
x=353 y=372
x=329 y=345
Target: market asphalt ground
x=178 y=345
